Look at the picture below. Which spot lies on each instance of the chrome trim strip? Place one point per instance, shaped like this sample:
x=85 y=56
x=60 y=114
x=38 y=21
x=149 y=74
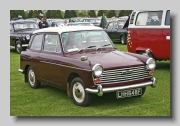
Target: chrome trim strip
x=64 y=66
x=20 y=70
x=24 y=45
x=99 y=91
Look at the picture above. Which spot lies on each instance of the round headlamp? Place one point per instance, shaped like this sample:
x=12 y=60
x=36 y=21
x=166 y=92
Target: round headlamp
x=97 y=70
x=150 y=64
x=27 y=37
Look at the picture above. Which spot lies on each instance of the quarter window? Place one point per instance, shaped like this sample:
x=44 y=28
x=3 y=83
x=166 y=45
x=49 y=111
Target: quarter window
x=37 y=42
x=52 y=43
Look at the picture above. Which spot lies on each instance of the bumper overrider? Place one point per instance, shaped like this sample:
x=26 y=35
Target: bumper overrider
x=99 y=91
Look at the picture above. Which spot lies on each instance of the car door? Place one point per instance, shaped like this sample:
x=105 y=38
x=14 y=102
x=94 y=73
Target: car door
x=34 y=49
x=50 y=60
x=166 y=37
x=114 y=33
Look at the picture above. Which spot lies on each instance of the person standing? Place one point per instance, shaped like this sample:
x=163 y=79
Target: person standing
x=64 y=24
x=43 y=23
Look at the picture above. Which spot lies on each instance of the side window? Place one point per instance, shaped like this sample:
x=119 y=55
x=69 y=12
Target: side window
x=167 y=22
x=51 y=43
x=110 y=26
x=115 y=25
x=37 y=42
x=132 y=17
x=149 y=18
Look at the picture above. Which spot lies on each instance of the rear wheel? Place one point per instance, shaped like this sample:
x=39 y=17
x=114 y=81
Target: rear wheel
x=123 y=39
x=78 y=94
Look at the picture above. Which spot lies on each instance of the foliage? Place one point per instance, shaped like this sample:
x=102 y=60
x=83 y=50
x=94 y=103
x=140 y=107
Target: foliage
x=91 y=13
x=82 y=13
x=100 y=12
x=35 y=14
x=125 y=13
x=73 y=13
x=111 y=13
x=67 y=14
x=30 y=14
x=15 y=13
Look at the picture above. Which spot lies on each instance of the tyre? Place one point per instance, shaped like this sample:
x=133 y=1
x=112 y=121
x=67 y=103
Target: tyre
x=33 y=82
x=123 y=39
x=18 y=47
x=78 y=94
x=143 y=91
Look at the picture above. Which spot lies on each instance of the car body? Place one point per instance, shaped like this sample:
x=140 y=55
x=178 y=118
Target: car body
x=80 y=24
x=34 y=19
x=95 y=21
x=76 y=19
x=117 y=30
x=20 y=33
x=56 y=23
x=84 y=61
x=150 y=29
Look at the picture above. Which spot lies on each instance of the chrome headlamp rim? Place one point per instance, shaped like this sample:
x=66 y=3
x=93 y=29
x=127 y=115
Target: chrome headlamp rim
x=27 y=37
x=147 y=64
x=93 y=70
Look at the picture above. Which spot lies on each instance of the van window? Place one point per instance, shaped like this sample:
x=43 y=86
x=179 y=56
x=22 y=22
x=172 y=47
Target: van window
x=110 y=25
x=167 y=18
x=149 y=18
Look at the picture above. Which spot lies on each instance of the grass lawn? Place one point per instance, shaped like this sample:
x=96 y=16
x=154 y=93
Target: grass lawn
x=50 y=101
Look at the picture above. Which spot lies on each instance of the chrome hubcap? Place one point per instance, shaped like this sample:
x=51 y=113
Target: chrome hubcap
x=31 y=77
x=122 y=40
x=78 y=92
x=18 y=48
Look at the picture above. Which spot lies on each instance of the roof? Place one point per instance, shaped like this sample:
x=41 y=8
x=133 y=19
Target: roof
x=79 y=23
x=67 y=29
x=22 y=21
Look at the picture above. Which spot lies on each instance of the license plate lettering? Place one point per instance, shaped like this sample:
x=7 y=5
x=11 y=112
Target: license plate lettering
x=128 y=93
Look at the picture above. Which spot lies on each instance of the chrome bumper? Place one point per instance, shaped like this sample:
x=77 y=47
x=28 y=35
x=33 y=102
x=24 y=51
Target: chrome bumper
x=99 y=91
x=20 y=70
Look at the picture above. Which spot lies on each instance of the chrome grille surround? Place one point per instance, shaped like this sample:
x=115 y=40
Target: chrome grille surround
x=124 y=75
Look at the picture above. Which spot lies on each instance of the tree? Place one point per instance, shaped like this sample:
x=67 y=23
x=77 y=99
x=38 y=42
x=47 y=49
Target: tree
x=125 y=13
x=59 y=15
x=106 y=13
x=111 y=13
x=62 y=13
x=73 y=13
x=35 y=14
x=15 y=13
x=48 y=14
x=100 y=12
x=30 y=14
x=67 y=14
x=91 y=13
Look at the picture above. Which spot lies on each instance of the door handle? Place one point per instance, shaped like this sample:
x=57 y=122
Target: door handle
x=167 y=37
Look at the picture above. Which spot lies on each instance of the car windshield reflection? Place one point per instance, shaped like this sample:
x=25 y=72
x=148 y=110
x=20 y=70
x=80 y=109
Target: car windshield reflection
x=20 y=26
x=84 y=40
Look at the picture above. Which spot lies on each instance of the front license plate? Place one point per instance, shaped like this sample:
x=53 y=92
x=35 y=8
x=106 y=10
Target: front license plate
x=129 y=93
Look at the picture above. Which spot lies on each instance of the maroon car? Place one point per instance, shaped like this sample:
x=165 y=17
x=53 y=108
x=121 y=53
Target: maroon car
x=84 y=62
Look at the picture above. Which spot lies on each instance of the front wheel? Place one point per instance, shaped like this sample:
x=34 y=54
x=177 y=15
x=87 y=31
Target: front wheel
x=123 y=39
x=33 y=82
x=78 y=94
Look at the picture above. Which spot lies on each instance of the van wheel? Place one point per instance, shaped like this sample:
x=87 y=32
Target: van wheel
x=123 y=39
x=78 y=94
x=33 y=82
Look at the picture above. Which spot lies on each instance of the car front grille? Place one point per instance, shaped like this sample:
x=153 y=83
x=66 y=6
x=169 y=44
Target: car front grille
x=124 y=75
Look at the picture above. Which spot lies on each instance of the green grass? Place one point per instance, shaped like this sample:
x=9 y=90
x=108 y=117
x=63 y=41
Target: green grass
x=50 y=101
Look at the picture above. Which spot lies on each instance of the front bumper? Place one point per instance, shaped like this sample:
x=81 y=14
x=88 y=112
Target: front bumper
x=99 y=91
x=24 y=45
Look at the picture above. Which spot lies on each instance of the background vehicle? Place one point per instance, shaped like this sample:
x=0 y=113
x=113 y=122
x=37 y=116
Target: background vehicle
x=150 y=29
x=95 y=21
x=80 y=24
x=117 y=30
x=20 y=33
